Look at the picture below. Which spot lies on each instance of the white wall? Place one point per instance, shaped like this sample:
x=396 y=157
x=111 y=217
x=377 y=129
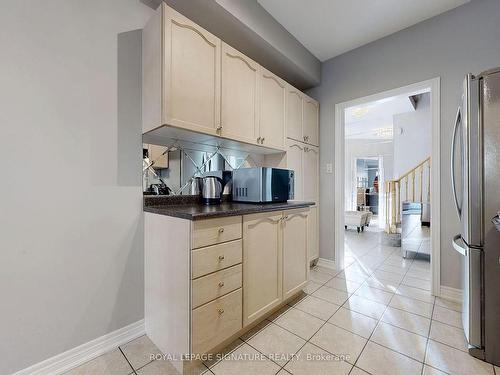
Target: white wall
x=414 y=144
x=71 y=231
x=448 y=46
x=365 y=148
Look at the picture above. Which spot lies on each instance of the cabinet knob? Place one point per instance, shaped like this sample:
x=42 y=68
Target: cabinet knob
x=221 y=284
x=221 y=258
x=221 y=230
x=220 y=311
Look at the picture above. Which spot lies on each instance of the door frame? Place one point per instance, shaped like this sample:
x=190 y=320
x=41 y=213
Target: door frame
x=339 y=140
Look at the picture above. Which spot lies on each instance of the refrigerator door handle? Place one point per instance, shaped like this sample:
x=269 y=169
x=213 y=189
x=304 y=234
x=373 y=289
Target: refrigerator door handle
x=456 y=245
x=458 y=120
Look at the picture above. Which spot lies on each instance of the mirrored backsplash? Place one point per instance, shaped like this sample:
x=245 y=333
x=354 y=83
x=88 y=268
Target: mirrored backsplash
x=171 y=170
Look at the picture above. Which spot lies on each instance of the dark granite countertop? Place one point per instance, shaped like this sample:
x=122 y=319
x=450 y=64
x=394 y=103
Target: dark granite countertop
x=197 y=211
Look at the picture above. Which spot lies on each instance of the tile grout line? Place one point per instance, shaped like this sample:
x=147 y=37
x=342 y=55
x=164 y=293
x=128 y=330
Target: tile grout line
x=378 y=323
x=132 y=367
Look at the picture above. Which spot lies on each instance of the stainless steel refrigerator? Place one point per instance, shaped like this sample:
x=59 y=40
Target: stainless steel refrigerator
x=476 y=188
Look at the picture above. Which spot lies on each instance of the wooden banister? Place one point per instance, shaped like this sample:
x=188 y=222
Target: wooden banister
x=393 y=201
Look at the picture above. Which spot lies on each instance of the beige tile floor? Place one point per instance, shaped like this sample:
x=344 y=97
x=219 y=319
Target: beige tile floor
x=375 y=317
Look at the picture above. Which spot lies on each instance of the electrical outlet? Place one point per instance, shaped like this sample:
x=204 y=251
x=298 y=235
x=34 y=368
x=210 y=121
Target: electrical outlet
x=329 y=168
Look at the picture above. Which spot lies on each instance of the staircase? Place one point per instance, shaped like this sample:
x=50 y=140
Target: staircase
x=413 y=186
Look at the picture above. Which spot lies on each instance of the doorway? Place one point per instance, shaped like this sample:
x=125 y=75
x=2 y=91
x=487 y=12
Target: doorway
x=400 y=193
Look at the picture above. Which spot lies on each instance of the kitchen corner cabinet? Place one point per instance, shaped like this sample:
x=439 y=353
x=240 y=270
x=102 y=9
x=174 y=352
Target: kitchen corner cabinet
x=302 y=117
x=240 y=96
x=181 y=74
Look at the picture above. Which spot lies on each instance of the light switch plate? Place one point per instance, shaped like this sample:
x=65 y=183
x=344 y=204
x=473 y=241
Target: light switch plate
x=329 y=168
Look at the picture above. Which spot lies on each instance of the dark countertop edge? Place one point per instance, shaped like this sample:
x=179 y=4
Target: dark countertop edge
x=179 y=211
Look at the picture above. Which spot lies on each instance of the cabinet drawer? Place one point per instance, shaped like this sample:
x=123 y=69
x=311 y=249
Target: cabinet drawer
x=216 y=321
x=214 y=231
x=210 y=287
x=215 y=258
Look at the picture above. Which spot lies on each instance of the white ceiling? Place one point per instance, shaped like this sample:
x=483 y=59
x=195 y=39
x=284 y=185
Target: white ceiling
x=374 y=120
x=329 y=28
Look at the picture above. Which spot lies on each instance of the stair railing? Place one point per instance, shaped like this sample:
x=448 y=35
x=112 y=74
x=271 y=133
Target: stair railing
x=412 y=193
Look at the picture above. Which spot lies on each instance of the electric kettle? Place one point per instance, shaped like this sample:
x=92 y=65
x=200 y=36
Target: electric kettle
x=211 y=192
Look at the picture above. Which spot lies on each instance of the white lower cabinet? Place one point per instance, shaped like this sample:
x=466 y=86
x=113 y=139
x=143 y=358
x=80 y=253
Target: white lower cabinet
x=275 y=260
x=206 y=281
x=262 y=270
x=295 y=254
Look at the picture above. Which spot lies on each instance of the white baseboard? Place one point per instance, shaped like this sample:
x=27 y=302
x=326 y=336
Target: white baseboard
x=327 y=263
x=451 y=294
x=74 y=357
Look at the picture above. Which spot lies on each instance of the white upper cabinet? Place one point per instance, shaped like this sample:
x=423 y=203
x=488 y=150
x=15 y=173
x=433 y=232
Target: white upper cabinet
x=240 y=93
x=302 y=117
x=189 y=62
x=272 y=110
x=294 y=114
x=310 y=120
x=194 y=81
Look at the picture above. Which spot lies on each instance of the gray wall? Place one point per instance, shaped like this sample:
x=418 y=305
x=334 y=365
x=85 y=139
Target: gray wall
x=462 y=40
x=414 y=144
x=248 y=27
x=71 y=231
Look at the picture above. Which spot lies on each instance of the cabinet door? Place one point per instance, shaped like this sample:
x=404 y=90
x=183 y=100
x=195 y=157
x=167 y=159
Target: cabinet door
x=272 y=110
x=311 y=173
x=313 y=233
x=156 y=154
x=295 y=251
x=311 y=121
x=240 y=84
x=262 y=264
x=294 y=114
x=294 y=158
x=191 y=89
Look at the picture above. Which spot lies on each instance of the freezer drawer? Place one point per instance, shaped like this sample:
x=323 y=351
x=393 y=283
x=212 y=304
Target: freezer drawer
x=473 y=292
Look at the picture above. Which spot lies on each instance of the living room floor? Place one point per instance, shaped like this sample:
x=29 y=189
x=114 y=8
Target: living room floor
x=377 y=316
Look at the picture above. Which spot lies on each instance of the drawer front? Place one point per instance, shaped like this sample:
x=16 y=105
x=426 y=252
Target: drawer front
x=215 y=285
x=213 y=231
x=216 y=321
x=215 y=258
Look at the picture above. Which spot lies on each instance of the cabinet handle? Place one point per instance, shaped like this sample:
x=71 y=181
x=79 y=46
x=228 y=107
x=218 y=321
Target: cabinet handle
x=221 y=284
x=221 y=230
x=258 y=140
x=262 y=140
x=221 y=258
x=220 y=311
